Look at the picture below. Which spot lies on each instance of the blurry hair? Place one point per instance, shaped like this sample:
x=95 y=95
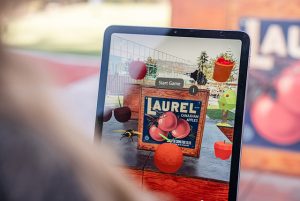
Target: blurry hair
x=27 y=97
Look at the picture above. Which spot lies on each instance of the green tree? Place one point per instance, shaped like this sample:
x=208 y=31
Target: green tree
x=227 y=101
x=202 y=62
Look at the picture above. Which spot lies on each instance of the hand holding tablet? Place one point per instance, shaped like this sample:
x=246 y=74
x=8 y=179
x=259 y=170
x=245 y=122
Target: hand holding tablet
x=184 y=88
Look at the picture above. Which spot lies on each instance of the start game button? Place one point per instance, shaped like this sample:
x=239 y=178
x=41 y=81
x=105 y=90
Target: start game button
x=169 y=83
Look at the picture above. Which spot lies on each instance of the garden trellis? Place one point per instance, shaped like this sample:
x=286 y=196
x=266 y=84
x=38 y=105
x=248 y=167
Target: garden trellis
x=159 y=64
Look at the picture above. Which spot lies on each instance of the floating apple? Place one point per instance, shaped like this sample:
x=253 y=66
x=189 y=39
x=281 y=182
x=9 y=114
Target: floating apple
x=288 y=89
x=223 y=150
x=274 y=122
x=122 y=114
x=168 y=158
x=182 y=130
x=137 y=70
x=107 y=114
x=155 y=133
x=167 y=121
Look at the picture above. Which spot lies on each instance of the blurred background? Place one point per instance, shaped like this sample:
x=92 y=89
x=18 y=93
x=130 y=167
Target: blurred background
x=65 y=37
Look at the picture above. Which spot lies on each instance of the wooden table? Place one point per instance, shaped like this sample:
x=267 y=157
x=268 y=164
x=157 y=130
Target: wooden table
x=205 y=178
x=254 y=185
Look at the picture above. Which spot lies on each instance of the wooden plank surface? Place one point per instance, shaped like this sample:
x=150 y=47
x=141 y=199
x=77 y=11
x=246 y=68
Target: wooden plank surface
x=262 y=186
x=186 y=189
x=134 y=175
x=274 y=160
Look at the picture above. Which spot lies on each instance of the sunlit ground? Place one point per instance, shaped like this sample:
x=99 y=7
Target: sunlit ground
x=79 y=28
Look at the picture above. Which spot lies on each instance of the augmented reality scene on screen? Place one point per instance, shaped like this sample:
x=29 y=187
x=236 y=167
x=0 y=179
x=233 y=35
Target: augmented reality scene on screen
x=169 y=111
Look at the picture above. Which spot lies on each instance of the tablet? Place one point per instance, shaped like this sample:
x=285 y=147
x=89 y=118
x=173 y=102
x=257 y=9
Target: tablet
x=171 y=104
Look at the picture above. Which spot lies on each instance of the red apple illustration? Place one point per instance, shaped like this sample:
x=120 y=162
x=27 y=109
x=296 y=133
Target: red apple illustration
x=274 y=122
x=223 y=150
x=155 y=133
x=182 y=130
x=122 y=114
x=167 y=121
x=107 y=114
x=137 y=70
x=288 y=89
x=168 y=158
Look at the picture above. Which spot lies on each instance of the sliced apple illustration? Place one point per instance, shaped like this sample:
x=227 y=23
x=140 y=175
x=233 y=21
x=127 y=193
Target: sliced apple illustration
x=156 y=133
x=167 y=121
x=182 y=130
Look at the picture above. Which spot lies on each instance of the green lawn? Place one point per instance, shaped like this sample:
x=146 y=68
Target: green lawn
x=217 y=114
x=79 y=28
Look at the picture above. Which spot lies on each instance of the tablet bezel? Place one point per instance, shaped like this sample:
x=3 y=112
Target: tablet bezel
x=178 y=32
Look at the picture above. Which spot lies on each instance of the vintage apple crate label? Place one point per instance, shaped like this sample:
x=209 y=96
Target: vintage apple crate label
x=172 y=115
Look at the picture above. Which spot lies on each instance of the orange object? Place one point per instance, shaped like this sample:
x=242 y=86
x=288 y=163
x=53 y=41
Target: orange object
x=168 y=158
x=223 y=150
x=222 y=71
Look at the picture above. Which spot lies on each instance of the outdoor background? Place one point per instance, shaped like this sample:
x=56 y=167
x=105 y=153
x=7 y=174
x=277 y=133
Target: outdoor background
x=65 y=38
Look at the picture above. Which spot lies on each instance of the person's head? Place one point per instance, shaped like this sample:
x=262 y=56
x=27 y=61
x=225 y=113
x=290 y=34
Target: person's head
x=29 y=102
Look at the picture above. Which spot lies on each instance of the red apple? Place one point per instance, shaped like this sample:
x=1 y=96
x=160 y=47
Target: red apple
x=137 y=70
x=107 y=114
x=155 y=133
x=167 y=121
x=274 y=122
x=288 y=89
x=168 y=158
x=223 y=150
x=182 y=130
x=222 y=60
x=122 y=114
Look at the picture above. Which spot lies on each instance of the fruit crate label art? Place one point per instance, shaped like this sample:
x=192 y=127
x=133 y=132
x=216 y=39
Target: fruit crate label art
x=176 y=119
x=168 y=115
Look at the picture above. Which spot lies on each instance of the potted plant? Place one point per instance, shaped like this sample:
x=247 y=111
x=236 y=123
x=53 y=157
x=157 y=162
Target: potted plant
x=224 y=64
x=227 y=102
x=223 y=150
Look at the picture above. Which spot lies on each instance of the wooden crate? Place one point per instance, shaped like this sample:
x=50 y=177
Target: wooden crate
x=174 y=95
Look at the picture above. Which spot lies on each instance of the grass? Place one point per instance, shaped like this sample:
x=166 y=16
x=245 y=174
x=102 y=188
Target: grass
x=79 y=28
x=217 y=114
x=213 y=107
x=113 y=101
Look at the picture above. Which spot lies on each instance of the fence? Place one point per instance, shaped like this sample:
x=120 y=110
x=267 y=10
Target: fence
x=159 y=64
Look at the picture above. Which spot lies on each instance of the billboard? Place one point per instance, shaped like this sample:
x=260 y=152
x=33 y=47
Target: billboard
x=272 y=110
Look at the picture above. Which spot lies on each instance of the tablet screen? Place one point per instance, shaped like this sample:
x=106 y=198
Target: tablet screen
x=169 y=111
